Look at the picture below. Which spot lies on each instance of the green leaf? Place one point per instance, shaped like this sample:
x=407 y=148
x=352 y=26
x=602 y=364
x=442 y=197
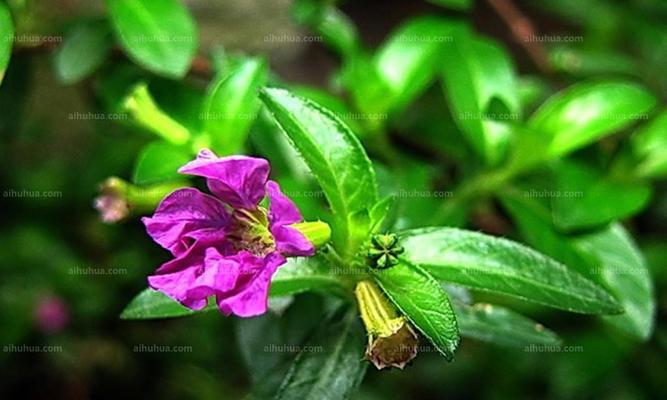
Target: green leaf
x=330 y=366
x=617 y=262
x=579 y=116
x=480 y=85
x=584 y=62
x=501 y=326
x=370 y=94
x=306 y=274
x=532 y=216
x=408 y=61
x=586 y=198
x=334 y=156
x=649 y=144
x=501 y=266
x=333 y=103
x=6 y=38
x=607 y=257
x=159 y=162
x=151 y=304
x=336 y=28
x=159 y=35
x=231 y=105
x=532 y=90
x=84 y=50
x=423 y=301
x=455 y=4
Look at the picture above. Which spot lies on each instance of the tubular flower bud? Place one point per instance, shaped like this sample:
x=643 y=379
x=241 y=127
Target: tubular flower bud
x=391 y=340
x=119 y=199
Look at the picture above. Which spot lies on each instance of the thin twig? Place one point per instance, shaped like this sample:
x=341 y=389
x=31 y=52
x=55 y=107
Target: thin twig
x=523 y=31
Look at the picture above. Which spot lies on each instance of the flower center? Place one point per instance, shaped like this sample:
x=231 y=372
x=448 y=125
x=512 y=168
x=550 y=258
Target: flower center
x=250 y=232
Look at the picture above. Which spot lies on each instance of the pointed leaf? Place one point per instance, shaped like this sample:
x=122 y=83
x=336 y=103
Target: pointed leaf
x=232 y=105
x=587 y=198
x=151 y=304
x=334 y=156
x=407 y=62
x=649 y=144
x=84 y=50
x=159 y=162
x=579 y=116
x=621 y=267
x=159 y=35
x=305 y=274
x=423 y=301
x=479 y=83
x=487 y=263
x=330 y=366
x=501 y=326
x=6 y=38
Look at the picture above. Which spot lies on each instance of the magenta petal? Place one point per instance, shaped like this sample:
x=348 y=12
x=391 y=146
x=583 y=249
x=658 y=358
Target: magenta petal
x=291 y=242
x=220 y=274
x=185 y=216
x=177 y=285
x=237 y=180
x=252 y=299
x=282 y=210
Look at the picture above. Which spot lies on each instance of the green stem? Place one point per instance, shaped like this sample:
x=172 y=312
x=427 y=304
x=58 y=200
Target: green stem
x=143 y=108
x=481 y=186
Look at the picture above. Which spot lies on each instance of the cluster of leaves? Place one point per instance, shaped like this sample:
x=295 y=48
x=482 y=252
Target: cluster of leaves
x=544 y=165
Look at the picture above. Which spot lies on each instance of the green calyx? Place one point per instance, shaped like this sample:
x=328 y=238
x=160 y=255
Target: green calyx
x=383 y=251
x=119 y=199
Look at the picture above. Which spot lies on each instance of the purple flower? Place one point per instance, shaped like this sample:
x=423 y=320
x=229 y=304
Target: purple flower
x=226 y=245
x=51 y=314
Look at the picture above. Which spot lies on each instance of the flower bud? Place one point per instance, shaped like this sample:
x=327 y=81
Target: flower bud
x=383 y=251
x=317 y=232
x=391 y=340
x=146 y=112
x=120 y=199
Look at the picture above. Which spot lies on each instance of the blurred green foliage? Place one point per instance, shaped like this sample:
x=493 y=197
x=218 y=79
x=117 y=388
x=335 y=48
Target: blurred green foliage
x=442 y=96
